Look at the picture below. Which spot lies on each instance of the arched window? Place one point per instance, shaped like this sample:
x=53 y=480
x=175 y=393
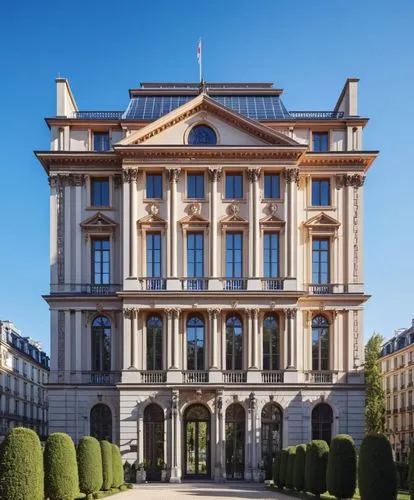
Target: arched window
x=101 y=344
x=320 y=343
x=101 y=422
x=271 y=435
x=322 y=419
x=234 y=343
x=195 y=343
x=271 y=345
x=154 y=343
x=202 y=134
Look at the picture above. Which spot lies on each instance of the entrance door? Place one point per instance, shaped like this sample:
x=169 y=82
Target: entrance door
x=153 y=441
x=235 y=438
x=271 y=435
x=197 y=442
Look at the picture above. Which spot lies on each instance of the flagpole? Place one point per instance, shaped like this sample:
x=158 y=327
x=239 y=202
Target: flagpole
x=199 y=54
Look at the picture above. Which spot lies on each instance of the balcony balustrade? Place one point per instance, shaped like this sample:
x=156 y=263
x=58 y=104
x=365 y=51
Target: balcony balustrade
x=98 y=115
x=153 y=284
x=320 y=377
x=85 y=289
x=85 y=377
x=316 y=115
x=234 y=377
x=272 y=377
x=153 y=377
x=195 y=377
x=272 y=284
x=234 y=284
x=194 y=284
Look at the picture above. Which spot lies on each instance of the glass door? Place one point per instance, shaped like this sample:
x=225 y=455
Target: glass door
x=235 y=439
x=197 y=442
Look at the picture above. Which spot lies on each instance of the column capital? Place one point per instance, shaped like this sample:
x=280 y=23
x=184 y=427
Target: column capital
x=131 y=312
x=291 y=175
x=214 y=174
x=130 y=175
x=177 y=312
x=168 y=312
x=213 y=312
x=255 y=312
x=253 y=174
x=248 y=311
x=173 y=174
x=290 y=312
x=354 y=180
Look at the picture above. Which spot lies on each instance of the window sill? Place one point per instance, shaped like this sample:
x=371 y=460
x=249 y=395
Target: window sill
x=153 y=200
x=234 y=200
x=318 y=208
x=195 y=200
x=99 y=208
x=273 y=200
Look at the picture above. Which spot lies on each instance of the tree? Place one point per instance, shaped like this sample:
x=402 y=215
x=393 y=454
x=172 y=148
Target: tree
x=21 y=466
x=299 y=472
x=342 y=467
x=89 y=465
x=106 y=452
x=411 y=472
x=374 y=395
x=117 y=467
x=315 y=466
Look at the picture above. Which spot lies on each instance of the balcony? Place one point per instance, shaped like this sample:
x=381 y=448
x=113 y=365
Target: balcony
x=234 y=377
x=320 y=377
x=98 y=115
x=153 y=377
x=85 y=289
x=85 y=378
x=316 y=115
x=195 y=377
x=153 y=284
x=272 y=377
x=194 y=284
x=234 y=284
x=272 y=284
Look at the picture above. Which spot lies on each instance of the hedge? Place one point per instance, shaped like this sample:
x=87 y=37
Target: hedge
x=290 y=467
x=21 y=466
x=284 y=458
x=377 y=474
x=106 y=453
x=402 y=475
x=61 y=469
x=299 y=472
x=117 y=467
x=342 y=467
x=89 y=465
x=315 y=466
x=276 y=467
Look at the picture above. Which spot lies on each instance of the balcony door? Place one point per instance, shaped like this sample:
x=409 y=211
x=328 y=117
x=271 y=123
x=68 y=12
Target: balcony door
x=235 y=441
x=153 y=441
x=197 y=442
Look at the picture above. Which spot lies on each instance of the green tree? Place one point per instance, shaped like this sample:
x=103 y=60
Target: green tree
x=411 y=473
x=117 y=467
x=89 y=458
x=106 y=452
x=342 y=467
x=21 y=466
x=374 y=394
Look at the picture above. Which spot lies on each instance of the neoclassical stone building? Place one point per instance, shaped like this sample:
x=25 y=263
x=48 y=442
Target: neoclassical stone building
x=206 y=275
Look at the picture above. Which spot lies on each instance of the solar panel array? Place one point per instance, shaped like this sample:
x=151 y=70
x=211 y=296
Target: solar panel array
x=254 y=107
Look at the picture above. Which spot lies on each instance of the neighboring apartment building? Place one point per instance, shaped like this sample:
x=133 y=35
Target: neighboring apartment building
x=24 y=372
x=206 y=274
x=397 y=368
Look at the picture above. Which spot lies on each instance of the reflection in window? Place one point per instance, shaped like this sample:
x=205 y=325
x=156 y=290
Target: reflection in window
x=154 y=343
x=271 y=255
x=320 y=343
x=321 y=192
x=202 y=134
x=234 y=343
x=320 y=141
x=195 y=343
x=234 y=186
x=154 y=186
x=101 y=141
x=100 y=192
x=322 y=419
x=154 y=255
x=271 y=347
x=101 y=344
x=195 y=186
x=101 y=422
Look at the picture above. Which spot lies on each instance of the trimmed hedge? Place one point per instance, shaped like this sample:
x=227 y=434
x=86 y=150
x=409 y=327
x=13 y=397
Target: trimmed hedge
x=315 y=466
x=402 y=475
x=377 y=474
x=21 y=466
x=276 y=467
x=290 y=467
x=61 y=469
x=299 y=472
x=410 y=479
x=106 y=453
x=117 y=467
x=284 y=458
x=89 y=465
x=342 y=467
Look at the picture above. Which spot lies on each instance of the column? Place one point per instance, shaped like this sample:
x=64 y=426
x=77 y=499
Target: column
x=175 y=469
x=126 y=223
x=78 y=345
x=254 y=230
x=291 y=177
x=253 y=447
x=290 y=315
x=219 y=473
x=126 y=344
x=255 y=340
x=169 y=332
x=67 y=344
x=140 y=430
x=249 y=338
x=212 y=314
x=131 y=313
x=176 y=339
x=214 y=175
x=173 y=175
x=79 y=181
x=133 y=222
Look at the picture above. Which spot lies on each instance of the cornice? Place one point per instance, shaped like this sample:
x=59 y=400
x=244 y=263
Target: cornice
x=362 y=159
x=56 y=158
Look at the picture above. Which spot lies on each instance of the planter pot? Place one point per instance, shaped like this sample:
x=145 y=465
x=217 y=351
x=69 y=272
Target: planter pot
x=141 y=476
x=164 y=476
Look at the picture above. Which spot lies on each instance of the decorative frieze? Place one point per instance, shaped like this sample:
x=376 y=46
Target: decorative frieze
x=290 y=312
x=117 y=180
x=131 y=312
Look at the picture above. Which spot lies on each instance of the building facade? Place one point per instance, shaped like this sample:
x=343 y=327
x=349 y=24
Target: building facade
x=397 y=367
x=206 y=275
x=24 y=374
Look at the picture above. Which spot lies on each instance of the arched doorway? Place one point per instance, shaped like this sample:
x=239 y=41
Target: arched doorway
x=197 y=442
x=235 y=439
x=101 y=422
x=153 y=441
x=322 y=420
x=271 y=435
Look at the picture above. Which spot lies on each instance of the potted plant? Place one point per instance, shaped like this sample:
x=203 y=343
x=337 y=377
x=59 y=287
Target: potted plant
x=162 y=466
x=142 y=471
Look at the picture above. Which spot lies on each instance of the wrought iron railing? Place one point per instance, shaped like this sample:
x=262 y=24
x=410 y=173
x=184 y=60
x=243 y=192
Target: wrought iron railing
x=316 y=115
x=195 y=377
x=320 y=377
x=234 y=377
x=272 y=377
x=234 y=284
x=318 y=289
x=153 y=284
x=194 y=284
x=98 y=115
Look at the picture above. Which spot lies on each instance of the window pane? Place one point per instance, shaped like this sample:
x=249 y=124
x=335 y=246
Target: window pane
x=101 y=261
x=271 y=255
x=271 y=186
x=320 y=141
x=195 y=185
x=154 y=255
x=234 y=186
x=320 y=261
x=195 y=255
x=154 y=185
x=320 y=192
x=100 y=192
x=101 y=141
x=234 y=255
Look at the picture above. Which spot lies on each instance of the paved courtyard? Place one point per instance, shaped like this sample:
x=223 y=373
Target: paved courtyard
x=201 y=491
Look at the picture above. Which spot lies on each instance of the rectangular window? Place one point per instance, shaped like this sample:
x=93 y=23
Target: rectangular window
x=101 y=261
x=234 y=186
x=320 y=141
x=154 y=255
x=195 y=255
x=101 y=141
x=321 y=192
x=272 y=186
x=320 y=261
x=271 y=255
x=100 y=192
x=195 y=186
x=154 y=186
x=234 y=255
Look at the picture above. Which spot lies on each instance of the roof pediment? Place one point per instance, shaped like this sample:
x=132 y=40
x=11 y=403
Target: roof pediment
x=272 y=219
x=322 y=221
x=152 y=219
x=99 y=221
x=203 y=103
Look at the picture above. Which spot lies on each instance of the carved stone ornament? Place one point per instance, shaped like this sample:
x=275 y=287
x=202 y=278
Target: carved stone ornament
x=235 y=304
x=117 y=180
x=291 y=175
x=253 y=174
x=272 y=209
x=195 y=208
x=130 y=312
x=130 y=175
x=214 y=174
x=233 y=209
x=290 y=313
x=173 y=174
x=352 y=180
x=154 y=209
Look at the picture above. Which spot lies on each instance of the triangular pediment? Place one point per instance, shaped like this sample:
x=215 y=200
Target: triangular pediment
x=204 y=108
x=322 y=220
x=99 y=220
x=234 y=217
x=194 y=219
x=272 y=220
x=152 y=219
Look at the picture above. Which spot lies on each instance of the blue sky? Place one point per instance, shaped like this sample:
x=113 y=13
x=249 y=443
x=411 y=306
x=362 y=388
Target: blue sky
x=307 y=48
